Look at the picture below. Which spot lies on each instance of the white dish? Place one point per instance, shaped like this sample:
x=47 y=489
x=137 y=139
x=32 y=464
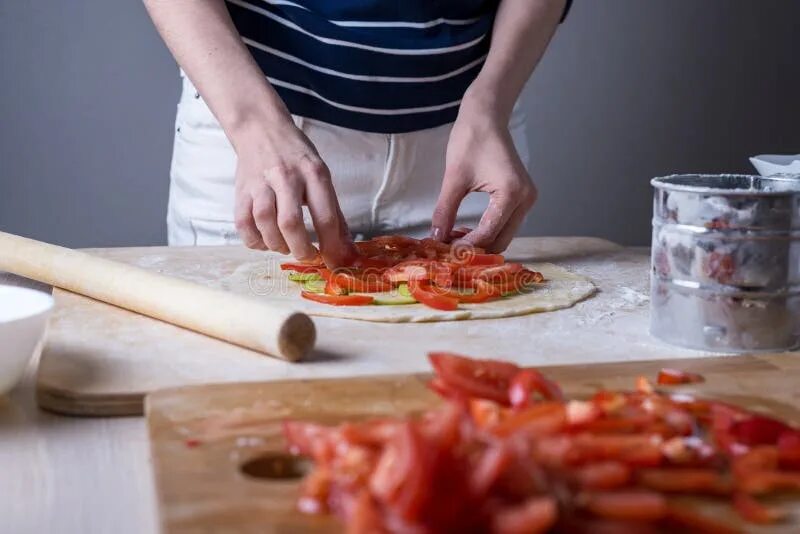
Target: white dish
x=772 y=164
x=23 y=318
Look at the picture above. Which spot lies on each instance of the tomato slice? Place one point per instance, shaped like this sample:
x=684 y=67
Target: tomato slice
x=410 y=270
x=338 y=300
x=634 y=505
x=484 y=292
x=789 y=449
x=427 y=295
x=689 y=520
x=300 y=267
x=758 y=430
x=526 y=383
x=603 y=475
x=497 y=273
x=332 y=288
x=684 y=480
x=753 y=511
x=670 y=377
x=400 y=478
x=366 y=283
x=541 y=419
x=484 y=379
x=517 y=282
x=534 y=516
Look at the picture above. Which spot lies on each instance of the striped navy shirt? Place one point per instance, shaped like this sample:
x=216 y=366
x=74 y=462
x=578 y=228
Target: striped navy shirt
x=371 y=65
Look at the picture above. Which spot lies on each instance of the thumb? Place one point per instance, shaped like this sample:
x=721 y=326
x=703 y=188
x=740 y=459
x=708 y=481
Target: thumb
x=453 y=191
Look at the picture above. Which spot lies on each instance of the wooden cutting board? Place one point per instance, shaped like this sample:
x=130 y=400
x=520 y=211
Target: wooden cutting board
x=232 y=484
x=102 y=360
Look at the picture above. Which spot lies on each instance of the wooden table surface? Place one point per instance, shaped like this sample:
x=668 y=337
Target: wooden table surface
x=65 y=474
x=102 y=360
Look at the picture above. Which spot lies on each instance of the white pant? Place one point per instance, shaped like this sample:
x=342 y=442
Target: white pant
x=384 y=182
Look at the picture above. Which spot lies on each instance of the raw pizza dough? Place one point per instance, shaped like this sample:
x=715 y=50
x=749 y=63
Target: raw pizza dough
x=561 y=289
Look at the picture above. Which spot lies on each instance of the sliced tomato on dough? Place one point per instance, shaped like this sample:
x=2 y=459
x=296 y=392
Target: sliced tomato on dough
x=338 y=300
x=300 y=267
x=428 y=295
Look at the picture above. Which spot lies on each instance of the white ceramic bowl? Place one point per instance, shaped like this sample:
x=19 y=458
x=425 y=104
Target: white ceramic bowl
x=772 y=164
x=23 y=318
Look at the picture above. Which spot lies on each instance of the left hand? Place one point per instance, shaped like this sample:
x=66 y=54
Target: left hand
x=481 y=157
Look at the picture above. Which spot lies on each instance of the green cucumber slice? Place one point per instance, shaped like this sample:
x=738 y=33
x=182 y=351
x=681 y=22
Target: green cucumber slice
x=314 y=285
x=402 y=289
x=392 y=299
x=303 y=277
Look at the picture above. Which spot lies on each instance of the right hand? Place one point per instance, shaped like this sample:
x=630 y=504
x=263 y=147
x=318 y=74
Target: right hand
x=278 y=172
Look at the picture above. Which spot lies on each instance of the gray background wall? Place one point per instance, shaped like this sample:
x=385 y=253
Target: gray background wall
x=629 y=89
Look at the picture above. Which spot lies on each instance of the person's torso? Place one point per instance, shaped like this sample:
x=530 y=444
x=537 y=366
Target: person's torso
x=371 y=65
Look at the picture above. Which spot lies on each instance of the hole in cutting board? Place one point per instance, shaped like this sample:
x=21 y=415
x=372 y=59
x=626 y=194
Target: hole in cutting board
x=276 y=466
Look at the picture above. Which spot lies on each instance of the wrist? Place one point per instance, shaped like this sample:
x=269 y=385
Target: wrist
x=485 y=103
x=248 y=123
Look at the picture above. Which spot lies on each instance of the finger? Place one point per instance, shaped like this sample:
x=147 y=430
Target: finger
x=505 y=236
x=515 y=221
x=493 y=220
x=290 y=220
x=246 y=225
x=444 y=214
x=336 y=244
x=265 y=213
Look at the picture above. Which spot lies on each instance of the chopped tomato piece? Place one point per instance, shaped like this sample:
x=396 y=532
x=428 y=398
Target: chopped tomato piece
x=753 y=511
x=426 y=295
x=535 y=515
x=528 y=382
x=789 y=449
x=638 y=505
x=691 y=521
x=484 y=379
x=603 y=475
x=540 y=419
x=643 y=385
x=684 y=480
x=491 y=465
x=671 y=377
x=338 y=300
x=758 y=430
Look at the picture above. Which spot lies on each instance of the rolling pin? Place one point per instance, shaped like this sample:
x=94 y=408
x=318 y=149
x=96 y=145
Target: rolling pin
x=244 y=321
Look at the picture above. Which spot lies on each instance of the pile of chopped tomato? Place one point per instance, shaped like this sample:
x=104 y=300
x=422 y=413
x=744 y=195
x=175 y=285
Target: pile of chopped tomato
x=436 y=274
x=506 y=453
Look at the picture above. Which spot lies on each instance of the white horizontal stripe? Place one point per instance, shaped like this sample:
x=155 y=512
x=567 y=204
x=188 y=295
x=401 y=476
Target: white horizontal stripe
x=338 y=42
x=381 y=24
x=361 y=77
x=358 y=109
x=284 y=3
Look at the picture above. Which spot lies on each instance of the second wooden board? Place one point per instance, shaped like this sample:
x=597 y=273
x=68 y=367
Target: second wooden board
x=241 y=480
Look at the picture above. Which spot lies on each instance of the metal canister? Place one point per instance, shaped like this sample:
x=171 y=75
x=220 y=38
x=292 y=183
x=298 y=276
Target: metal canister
x=725 y=271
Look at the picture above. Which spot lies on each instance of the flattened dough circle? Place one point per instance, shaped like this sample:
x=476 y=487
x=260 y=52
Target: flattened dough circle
x=561 y=289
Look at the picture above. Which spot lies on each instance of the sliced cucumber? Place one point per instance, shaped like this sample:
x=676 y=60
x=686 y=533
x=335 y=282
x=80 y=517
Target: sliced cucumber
x=304 y=277
x=402 y=289
x=314 y=286
x=392 y=299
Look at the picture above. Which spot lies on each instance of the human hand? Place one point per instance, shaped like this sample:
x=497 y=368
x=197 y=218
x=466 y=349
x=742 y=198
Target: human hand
x=481 y=157
x=278 y=172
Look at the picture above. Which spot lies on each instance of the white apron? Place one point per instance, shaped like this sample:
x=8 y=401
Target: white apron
x=384 y=182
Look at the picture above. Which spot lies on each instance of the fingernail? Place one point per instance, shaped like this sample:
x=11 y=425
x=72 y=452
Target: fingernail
x=437 y=233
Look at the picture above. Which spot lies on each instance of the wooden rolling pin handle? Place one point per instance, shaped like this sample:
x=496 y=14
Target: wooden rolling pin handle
x=251 y=323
